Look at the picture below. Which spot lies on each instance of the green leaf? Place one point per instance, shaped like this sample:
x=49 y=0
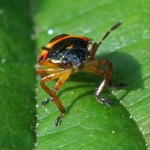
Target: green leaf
x=17 y=84
x=88 y=124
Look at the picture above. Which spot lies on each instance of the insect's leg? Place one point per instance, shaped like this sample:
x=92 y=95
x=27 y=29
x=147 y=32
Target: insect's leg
x=59 y=83
x=94 y=70
x=46 y=63
x=52 y=93
x=47 y=78
x=62 y=75
x=107 y=80
x=98 y=92
x=97 y=71
x=97 y=63
x=47 y=71
x=46 y=101
x=96 y=45
x=44 y=72
x=63 y=78
x=109 y=73
x=107 y=77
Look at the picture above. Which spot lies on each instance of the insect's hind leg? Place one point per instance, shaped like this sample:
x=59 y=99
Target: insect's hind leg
x=92 y=67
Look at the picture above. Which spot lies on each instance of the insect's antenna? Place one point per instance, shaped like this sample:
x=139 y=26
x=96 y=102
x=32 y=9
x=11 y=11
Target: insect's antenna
x=108 y=32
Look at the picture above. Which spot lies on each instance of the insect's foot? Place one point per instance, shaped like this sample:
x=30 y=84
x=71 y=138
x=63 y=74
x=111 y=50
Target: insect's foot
x=118 y=86
x=103 y=100
x=58 y=120
x=46 y=101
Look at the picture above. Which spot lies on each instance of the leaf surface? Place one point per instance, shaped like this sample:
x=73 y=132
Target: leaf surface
x=88 y=124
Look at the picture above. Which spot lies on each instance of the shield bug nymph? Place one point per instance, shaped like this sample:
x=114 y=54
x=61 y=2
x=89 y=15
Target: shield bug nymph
x=65 y=54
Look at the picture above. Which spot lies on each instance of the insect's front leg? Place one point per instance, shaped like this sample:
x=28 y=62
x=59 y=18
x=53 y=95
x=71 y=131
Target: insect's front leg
x=55 y=98
x=45 y=72
x=62 y=75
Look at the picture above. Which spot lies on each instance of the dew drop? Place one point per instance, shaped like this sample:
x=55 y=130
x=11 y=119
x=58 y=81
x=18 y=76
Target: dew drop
x=37 y=105
x=37 y=124
x=113 y=131
x=50 y=31
x=36 y=89
x=87 y=31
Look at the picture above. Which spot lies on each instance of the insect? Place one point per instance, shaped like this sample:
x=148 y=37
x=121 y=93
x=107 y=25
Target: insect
x=65 y=54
